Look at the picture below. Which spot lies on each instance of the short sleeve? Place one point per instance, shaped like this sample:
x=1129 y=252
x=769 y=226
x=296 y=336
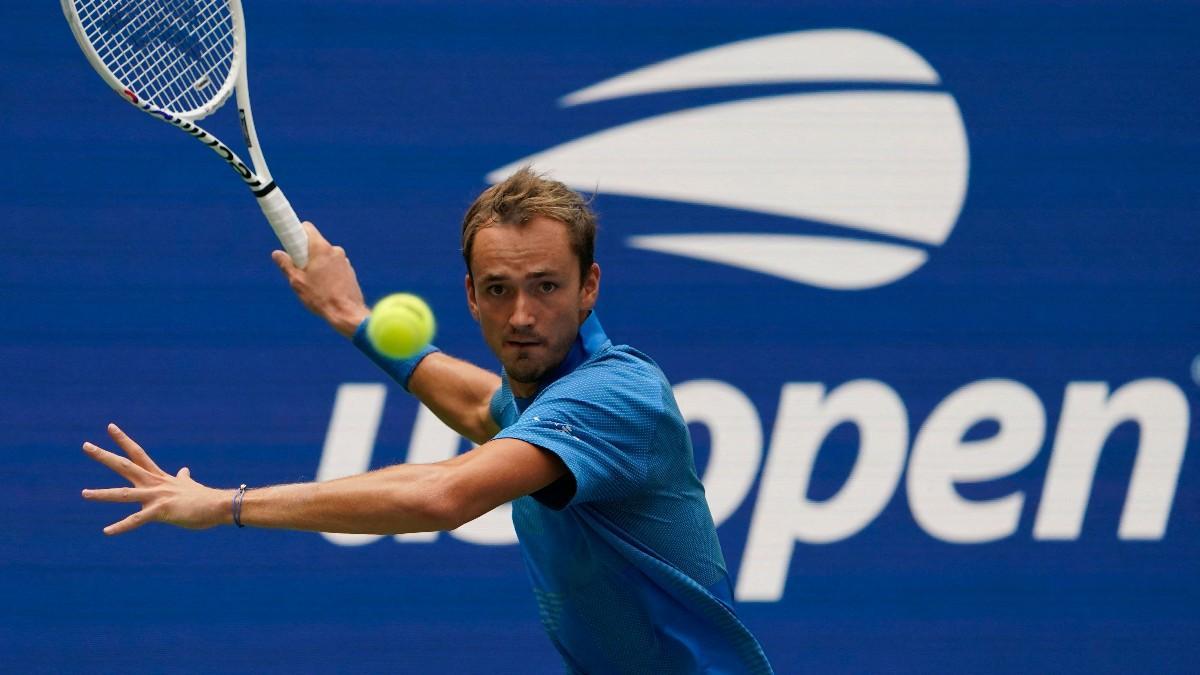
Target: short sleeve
x=601 y=431
x=503 y=408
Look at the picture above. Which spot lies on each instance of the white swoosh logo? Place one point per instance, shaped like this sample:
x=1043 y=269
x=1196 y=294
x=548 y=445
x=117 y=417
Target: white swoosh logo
x=831 y=262
x=806 y=56
x=891 y=163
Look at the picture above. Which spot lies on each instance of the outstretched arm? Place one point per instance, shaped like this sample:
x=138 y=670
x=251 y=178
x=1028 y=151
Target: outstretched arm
x=401 y=498
x=458 y=392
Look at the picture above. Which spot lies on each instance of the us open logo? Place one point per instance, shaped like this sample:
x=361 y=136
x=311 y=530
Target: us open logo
x=885 y=167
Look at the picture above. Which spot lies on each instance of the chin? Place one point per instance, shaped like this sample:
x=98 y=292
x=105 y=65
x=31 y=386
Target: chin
x=527 y=368
x=525 y=373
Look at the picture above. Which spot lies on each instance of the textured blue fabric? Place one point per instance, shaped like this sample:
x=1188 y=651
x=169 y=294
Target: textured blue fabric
x=400 y=370
x=623 y=554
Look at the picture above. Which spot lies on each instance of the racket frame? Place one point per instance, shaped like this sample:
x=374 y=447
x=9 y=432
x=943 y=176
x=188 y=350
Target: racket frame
x=274 y=204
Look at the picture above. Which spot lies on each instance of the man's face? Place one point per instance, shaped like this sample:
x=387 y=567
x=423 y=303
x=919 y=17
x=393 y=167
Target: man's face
x=527 y=296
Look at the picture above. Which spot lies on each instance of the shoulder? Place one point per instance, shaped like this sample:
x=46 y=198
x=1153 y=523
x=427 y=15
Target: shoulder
x=611 y=421
x=619 y=393
x=617 y=374
x=622 y=362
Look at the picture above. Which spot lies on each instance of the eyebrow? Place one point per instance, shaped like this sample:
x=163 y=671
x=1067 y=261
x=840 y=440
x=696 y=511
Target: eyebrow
x=537 y=274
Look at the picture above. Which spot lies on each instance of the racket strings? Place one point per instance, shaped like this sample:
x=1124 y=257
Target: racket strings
x=149 y=73
x=176 y=54
x=162 y=77
x=176 y=71
x=135 y=38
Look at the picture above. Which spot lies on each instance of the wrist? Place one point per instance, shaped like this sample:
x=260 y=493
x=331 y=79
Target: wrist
x=222 y=508
x=346 y=320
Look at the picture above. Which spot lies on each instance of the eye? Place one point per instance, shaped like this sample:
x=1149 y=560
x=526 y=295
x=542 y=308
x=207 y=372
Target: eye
x=495 y=290
x=548 y=286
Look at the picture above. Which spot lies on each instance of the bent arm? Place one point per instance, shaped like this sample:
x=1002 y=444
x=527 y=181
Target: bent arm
x=457 y=392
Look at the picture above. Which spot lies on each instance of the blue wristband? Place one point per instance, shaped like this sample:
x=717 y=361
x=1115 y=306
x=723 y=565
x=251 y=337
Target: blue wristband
x=400 y=370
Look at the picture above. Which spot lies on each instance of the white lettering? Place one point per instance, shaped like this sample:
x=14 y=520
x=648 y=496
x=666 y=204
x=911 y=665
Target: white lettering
x=941 y=458
x=735 y=447
x=350 y=442
x=784 y=514
x=432 y=441
x=1088 y=418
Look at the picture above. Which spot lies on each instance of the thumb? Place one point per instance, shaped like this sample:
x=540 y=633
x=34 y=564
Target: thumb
x=184 y=473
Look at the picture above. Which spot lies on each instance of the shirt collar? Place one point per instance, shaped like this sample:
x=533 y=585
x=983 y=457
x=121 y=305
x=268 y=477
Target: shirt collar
x=590 y=340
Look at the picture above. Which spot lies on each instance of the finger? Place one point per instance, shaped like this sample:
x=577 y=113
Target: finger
x=184 y=473
x=131 y=448
x=284 y=261
x=126 y=468
x=314 y=235
x=133 y=522
x=117 y=495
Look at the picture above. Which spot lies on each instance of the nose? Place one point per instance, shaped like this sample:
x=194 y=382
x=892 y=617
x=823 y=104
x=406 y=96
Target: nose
x=522 y=317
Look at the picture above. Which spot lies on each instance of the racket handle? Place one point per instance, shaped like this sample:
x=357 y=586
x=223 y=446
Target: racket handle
x=286 y=225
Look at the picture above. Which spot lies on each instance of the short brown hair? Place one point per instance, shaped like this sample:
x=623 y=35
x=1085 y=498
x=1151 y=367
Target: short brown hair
x=526 y=194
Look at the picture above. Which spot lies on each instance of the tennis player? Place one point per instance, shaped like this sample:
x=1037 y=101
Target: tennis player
x=583 y=436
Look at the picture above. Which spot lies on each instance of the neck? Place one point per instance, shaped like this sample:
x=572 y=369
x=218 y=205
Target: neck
x=523 y=389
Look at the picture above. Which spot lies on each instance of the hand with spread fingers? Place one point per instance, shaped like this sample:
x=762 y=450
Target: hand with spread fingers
x=176 y=500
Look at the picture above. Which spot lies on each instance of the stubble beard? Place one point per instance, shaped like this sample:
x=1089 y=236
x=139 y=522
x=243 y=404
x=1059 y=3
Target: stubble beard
x=530 y=371
x=524 y=372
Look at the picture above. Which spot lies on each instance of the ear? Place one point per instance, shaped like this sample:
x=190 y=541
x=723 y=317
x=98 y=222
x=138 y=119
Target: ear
x=589 y=291
x=471 y=304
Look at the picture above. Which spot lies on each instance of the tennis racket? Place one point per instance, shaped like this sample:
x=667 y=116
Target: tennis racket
x=178 y=61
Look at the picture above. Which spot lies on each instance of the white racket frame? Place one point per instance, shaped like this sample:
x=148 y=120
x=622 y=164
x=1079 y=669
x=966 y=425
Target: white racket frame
x=274 y=204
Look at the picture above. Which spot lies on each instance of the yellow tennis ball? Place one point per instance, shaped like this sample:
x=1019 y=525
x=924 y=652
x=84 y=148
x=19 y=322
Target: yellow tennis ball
x=400 y=326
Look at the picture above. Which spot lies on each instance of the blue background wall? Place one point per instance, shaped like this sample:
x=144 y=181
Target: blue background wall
x=135 y=286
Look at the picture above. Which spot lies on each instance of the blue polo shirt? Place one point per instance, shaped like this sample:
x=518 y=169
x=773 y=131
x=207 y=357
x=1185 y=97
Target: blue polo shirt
x=622 y=552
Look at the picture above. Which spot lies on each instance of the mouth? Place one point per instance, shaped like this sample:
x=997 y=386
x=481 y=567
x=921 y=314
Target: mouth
x=522 y=343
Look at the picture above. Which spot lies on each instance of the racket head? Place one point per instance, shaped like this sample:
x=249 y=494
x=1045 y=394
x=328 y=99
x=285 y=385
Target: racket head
x=182 y=56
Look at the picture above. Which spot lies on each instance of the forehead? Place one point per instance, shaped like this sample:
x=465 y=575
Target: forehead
x=540 y=244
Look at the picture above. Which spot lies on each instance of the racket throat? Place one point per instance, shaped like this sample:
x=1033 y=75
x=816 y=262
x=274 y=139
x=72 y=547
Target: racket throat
x=246 y=128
